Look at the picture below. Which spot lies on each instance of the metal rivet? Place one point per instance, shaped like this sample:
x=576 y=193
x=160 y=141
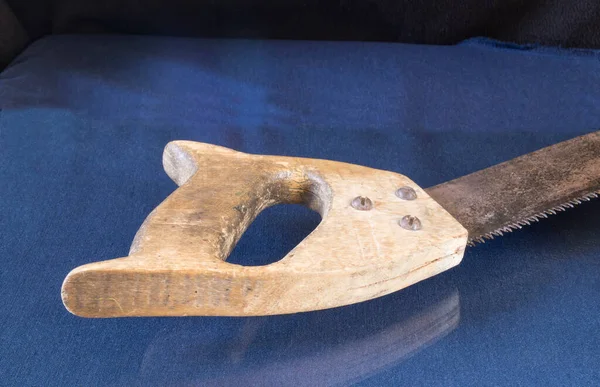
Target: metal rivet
x=362 y=203
x=410 y=222
x=406 y=193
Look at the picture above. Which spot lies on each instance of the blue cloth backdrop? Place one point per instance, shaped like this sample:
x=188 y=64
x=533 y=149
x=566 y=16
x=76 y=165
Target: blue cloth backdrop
x=83 y=122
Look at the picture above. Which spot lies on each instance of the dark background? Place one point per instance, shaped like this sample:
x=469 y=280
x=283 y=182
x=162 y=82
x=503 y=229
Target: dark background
x=564 y=23
x=549 y=22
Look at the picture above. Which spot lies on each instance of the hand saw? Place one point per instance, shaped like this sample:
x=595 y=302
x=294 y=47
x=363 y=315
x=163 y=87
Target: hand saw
x=380 y=232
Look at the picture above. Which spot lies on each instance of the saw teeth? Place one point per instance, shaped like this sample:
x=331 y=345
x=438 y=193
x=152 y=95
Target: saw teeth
x=534 y=218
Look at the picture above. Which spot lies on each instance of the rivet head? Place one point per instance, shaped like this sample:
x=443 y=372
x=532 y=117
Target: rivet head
x=406 y=193
x=362 y=203
x=410 y=222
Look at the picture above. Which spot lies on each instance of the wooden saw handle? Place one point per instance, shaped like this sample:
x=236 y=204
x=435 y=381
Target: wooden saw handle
x=362 y=248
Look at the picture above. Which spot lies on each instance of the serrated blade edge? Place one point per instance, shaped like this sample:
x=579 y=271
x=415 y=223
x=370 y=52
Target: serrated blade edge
x=472 y=241
x=516 y=193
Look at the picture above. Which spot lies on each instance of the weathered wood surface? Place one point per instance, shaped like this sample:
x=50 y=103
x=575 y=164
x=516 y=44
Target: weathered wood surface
x=177 y=262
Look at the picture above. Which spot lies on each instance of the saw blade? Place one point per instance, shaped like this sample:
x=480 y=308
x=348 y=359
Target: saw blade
x=513 y=194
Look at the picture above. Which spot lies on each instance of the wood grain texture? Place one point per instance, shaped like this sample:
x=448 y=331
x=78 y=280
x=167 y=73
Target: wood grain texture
x=177 y=262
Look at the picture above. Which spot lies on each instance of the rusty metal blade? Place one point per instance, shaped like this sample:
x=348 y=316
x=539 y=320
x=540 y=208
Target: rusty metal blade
x=513 y=194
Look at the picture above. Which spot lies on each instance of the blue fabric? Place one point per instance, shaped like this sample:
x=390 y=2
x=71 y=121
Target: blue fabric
x=83 y=122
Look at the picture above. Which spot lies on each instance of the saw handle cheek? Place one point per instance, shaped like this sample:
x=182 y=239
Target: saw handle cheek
x=370 y=241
